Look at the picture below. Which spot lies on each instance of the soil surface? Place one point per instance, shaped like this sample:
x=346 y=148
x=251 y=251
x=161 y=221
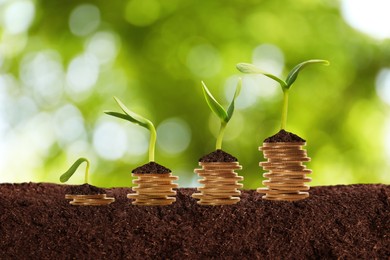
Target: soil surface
x=335 y=222
x=284 y=137
x=218 y=156
x=84 y=189
x=151 y=167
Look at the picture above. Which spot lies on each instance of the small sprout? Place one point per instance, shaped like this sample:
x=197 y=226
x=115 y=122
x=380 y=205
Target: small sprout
x=139 y=120
x=286 y=85
x=223 y=115
x=66 y=176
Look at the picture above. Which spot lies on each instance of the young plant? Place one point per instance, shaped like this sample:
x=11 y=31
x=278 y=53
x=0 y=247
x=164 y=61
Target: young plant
x=66 y=176
x=139 y=120
x=285 y=85
x=223 y=115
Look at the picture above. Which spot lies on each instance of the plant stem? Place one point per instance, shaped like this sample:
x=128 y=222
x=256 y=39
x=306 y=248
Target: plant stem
x=285 y=108
x=152 y=143
x=86 y=171
x=220 y=135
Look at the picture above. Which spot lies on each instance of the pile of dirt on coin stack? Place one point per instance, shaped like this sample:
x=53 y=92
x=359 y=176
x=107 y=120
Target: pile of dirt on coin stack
x=348 y=222
x=218 y=156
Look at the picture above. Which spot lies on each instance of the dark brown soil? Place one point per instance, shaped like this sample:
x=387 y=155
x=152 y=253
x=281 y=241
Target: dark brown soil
x=151 y=167
x=338 y=222
x=284 y=137
x=218 y=156
x=84 y=189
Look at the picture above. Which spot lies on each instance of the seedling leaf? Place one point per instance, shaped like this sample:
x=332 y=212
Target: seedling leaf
x=292 y=76
x=213 y=104
x=231 y=106
x=119 y=115
x=132 y=117
x=251 y=69
x=66 y=176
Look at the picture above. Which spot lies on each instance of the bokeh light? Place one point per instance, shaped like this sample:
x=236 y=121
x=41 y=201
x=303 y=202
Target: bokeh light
x=82 y=74
x=18 y=16
x=84 y=19
x=110 y=140
x=104 y=46
x=370 y=17
x=383 y=85
x=174 y=136
x=69 y=125
x=42 y=75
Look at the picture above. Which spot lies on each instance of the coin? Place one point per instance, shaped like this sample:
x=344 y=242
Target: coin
x=153 y=189
x=216 y=202
x=89 y=200
x=220 y=183
x=286 y=172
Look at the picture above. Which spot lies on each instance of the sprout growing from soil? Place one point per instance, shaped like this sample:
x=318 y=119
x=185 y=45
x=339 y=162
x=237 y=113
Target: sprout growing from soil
x=96 y=196
x=139 y=120
x=223 y=115
x=285 y=85
x=69 y=173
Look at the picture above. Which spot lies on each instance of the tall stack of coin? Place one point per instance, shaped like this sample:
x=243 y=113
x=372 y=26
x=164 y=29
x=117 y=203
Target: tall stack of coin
x=286 y=172
x=89 y=200
x=220 y=183
x=154 y=189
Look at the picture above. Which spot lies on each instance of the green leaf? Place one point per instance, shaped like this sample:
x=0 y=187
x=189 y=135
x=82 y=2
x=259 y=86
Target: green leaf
x=130 y=116
x=133 y=117
x=119 y=115
x=66 y=176
x=231 y=106
x=213 y=104
x=292 y=76
x=252 y=69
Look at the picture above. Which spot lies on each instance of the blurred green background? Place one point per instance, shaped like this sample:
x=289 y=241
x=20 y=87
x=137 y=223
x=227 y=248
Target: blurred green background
x=62 y=61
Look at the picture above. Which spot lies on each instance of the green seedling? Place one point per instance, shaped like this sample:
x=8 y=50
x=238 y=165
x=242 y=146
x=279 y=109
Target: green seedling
x=139 y=120
x=66 y=176
x=223 y=115
x=285 y=84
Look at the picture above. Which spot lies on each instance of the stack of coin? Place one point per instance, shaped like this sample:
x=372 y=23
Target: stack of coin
x=220 y=183
x=154 y=189
x=286 y=172
x=89 y=200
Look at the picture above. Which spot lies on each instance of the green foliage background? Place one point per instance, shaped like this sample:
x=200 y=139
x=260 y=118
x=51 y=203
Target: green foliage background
x=164 y=50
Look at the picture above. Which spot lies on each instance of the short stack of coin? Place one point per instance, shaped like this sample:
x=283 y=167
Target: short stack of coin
x=154 y=189
x=286 y=172
x=220 y=183
x=89 y=200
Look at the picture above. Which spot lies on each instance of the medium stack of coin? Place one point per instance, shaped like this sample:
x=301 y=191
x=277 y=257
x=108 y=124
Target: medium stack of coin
x=154 y=189
x=89 y=200
x=220 y=183
x=286 y=172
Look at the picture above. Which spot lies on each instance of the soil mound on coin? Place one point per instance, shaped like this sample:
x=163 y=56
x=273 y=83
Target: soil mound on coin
x=218 y=156
x=84 y=189
x=151 y=167
x=284 y=137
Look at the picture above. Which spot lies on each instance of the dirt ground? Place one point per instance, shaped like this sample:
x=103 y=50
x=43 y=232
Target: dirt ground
x=347 y=222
